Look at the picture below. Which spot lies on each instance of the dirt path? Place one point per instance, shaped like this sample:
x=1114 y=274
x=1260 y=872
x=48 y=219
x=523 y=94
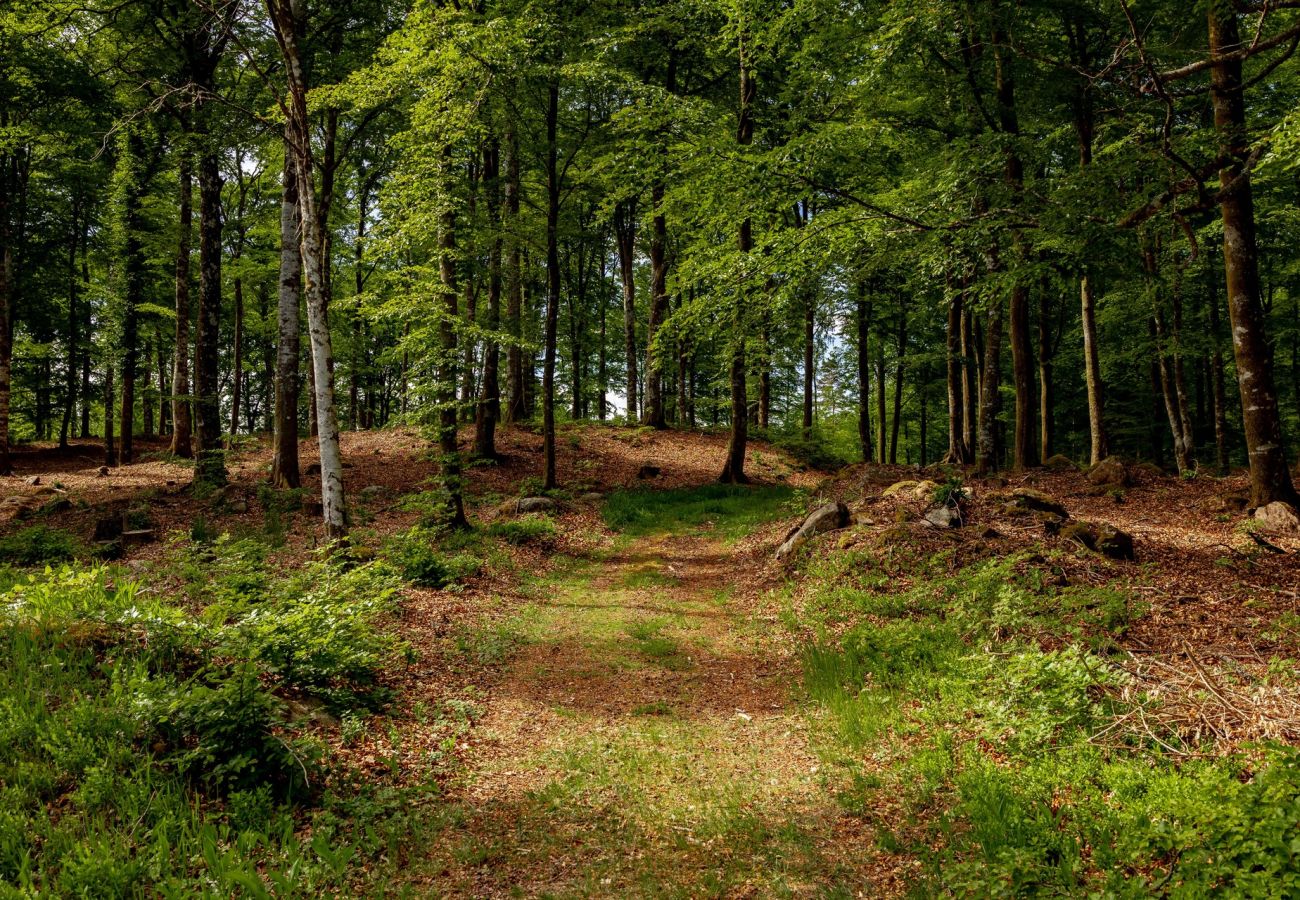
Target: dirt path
x=646 y=740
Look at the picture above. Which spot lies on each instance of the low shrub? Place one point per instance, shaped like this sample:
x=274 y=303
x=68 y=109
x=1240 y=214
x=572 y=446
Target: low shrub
x=528 y=529
x=39 y=545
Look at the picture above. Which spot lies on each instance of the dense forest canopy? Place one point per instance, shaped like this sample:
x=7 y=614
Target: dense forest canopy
x=990 y=232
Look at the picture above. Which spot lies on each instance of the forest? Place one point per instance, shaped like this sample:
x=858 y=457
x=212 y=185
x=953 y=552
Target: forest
x=649 y=448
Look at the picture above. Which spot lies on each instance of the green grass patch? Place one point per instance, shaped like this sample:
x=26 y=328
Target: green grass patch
x=982 y=689
x=39 y=545
x=729 y=510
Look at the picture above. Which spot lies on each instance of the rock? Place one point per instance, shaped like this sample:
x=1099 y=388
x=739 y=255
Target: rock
x=373 y=491
x=313 y=469
x=1105 y=539
x=1278 y=518
x=1059 y=463
x=1036 y=501
x=1115 y=543
x=1110 y=472
x=102 y=472
x=239 y=506
x=35 y=479
x=530 y=505
x=943 y=517
x=830 y=517
x=648 y=471
x=592 y=497
x=58 y=505
x=899 y=487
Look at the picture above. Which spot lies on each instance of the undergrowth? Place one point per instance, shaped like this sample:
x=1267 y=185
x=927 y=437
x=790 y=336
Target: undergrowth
x=148 y=747
x=982 y=687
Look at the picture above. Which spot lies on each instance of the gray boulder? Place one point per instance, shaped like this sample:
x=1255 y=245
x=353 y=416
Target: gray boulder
x=1278 y=518
x=830 y=517
x=531 y=505
x=943 y=517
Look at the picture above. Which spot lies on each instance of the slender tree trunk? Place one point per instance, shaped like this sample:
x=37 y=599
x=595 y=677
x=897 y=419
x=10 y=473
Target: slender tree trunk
x=489 y=405
x=133 y=265
x=1098 y=442
x=74 y=292
x=1046 y=393
x=625 y=237
x=956 y=411
x=809 y=360
x=448 y=446
x=602 y=364
x=655 y=415
x=970 y=384
x=1270 y=480
x=182 y=423
x=899 y=368
x=211 y=466
x=882 y=419
x=764 y=418
x=986 y=454
x=1220 y=389
x=862 y=309
x=514 y=411
x=284 y=465
x=552 y=283
x=733 y=469
x=237 y=363
x=287 y=23
x=110 y=395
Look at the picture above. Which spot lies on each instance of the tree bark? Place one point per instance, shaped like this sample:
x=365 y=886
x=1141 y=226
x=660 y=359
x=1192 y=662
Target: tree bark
x=957 y=450
x=986 y=454
x=1270 y=480
x=182 y=422
x=514 y=411
x=284 y=465
x=489 y=405
x=552 y=283
x=287 y=18
x=448 y=447
x=1219 y=388
x=133 y=265
x=1046 y=394
x=210 y=467
x=899 y=367
x=625 y=237
x=733 y=468
x=862 y=311
x=655 y=415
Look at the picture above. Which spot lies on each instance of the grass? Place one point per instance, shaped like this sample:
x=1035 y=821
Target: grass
x=979 y=691
x=728 y=511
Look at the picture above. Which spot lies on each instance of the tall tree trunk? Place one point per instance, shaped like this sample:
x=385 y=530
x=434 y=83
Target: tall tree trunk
x=1021 y=351
x=288 y=20
x=957 y=453
x=809 y=360
x=655 y=415
x=489 y=405
x=1219 y=389
x=899 y=367
x=110 y=395
x=733 y=468
x=182 y=423
x=1046 y=393
x=514 y=287
x=602 y=362
x=1270 y=481
x=74 y=292
x=552 y=282
x=764 y=418
x=625 y=237
x=133 y=265
x=8 y=168
x=237 y=363
x=970 y=384
x=882 y=419
x=862 y=310
x=210 y=465
x=448 y=447
x=284 y=464
x=986 y=453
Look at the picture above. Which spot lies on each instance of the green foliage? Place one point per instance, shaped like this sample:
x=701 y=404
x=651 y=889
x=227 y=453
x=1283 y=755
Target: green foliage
x=527 y=529
x=735 y=510
x=416 y=555
x=39 y=545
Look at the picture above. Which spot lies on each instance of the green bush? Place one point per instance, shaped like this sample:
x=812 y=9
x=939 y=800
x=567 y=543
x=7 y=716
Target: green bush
x=416 y=556
x=39 y=545
x=526 y=529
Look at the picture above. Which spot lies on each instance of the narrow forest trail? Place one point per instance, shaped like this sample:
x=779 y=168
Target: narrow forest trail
x=647 y=740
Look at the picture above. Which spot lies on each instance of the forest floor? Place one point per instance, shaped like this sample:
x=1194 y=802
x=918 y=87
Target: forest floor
x=633 y=699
